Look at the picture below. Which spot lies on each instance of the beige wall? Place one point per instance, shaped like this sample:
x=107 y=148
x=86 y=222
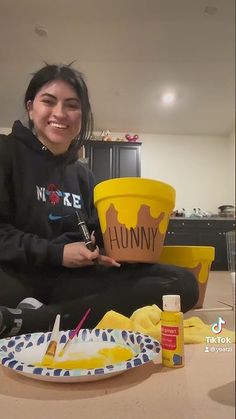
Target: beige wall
x=201 y=168
x=231 y=157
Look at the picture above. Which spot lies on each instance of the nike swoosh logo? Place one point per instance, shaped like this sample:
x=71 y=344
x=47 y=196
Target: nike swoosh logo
x=57 y=217
x=54 y=217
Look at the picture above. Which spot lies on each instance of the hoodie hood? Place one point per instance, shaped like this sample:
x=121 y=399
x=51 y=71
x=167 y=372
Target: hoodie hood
x=27 y=137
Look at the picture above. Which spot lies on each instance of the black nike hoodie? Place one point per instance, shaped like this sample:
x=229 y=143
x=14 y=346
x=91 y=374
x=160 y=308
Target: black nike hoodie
x=39 y=194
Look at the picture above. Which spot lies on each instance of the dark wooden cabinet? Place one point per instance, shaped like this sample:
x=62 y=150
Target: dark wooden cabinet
x=112 y=159
x=202 y=232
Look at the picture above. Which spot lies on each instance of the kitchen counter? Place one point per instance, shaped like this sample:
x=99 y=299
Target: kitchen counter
x=206 y=231
x=203 y=218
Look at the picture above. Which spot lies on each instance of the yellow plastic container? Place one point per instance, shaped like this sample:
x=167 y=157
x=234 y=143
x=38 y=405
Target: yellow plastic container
x=197 y=259
x=172 y=332
x=134 y=215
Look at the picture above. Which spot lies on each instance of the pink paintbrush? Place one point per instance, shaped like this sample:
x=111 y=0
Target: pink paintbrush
x=74 y=333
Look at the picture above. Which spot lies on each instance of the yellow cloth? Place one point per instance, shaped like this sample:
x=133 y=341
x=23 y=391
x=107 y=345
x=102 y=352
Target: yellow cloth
x=148 y=320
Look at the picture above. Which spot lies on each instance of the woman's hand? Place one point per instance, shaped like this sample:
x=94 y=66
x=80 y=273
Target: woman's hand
x=107 y=261
x=76 y=255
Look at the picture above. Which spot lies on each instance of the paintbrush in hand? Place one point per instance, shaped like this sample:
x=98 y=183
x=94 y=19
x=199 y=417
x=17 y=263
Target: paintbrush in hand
x=84 y=231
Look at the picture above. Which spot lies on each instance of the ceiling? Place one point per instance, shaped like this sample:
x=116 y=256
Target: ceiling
x=130 y=51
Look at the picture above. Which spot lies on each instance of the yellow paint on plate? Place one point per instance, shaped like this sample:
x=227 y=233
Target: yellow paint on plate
x=102 y=357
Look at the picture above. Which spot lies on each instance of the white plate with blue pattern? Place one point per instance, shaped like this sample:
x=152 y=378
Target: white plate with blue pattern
x=20 y=353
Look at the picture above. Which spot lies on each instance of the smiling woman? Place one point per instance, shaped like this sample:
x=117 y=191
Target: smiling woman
x=57 y=104
x=56 y=115
x=42 y=187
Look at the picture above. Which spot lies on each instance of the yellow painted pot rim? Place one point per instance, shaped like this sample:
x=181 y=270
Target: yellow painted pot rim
x=193 y=252
x=134 y=186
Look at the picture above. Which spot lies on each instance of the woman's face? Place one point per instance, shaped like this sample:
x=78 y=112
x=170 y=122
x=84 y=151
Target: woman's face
x=56 y=115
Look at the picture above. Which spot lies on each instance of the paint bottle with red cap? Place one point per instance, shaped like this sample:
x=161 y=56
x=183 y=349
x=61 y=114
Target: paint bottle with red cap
x=172 y=332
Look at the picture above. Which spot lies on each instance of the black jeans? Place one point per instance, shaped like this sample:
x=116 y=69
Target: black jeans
x=71 y=292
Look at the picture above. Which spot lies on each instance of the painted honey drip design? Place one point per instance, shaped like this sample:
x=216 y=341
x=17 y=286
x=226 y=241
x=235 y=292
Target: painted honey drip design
x=140 y=243
x=201 y=272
